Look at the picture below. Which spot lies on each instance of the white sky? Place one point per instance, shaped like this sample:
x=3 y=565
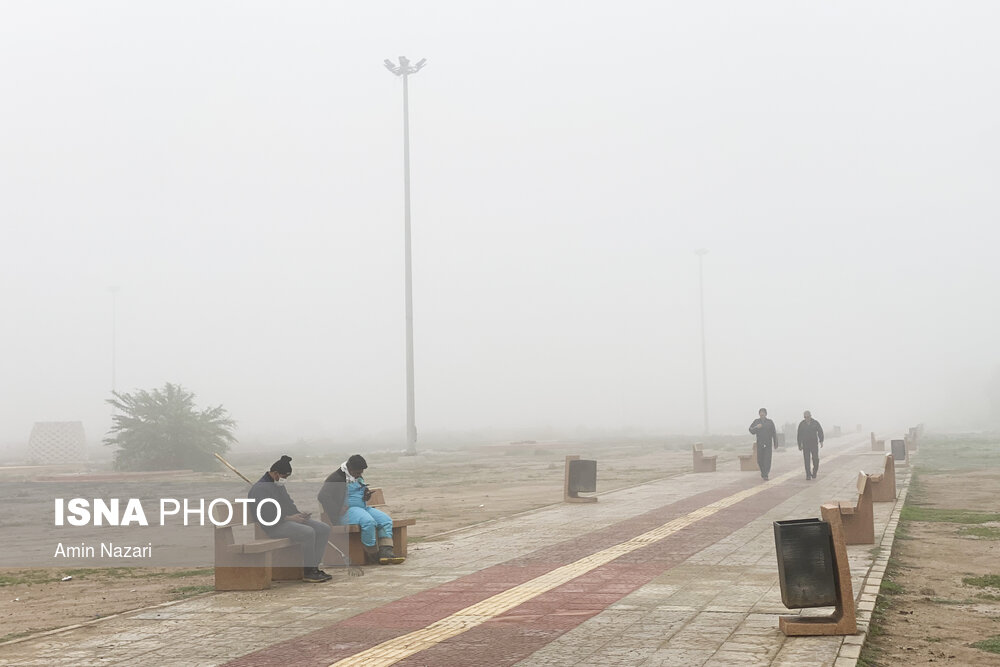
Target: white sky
x=235 y=168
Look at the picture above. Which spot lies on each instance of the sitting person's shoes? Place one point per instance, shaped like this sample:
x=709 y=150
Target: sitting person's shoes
x=314 y=575
x=371 y=554
x=387 y=557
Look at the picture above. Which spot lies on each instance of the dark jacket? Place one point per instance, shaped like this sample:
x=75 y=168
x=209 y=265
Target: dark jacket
x=766 y=435
x=810 y=433
x=267 y=488
x=331 y=496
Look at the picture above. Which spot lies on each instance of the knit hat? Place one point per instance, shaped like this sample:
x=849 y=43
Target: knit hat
x=283 y=465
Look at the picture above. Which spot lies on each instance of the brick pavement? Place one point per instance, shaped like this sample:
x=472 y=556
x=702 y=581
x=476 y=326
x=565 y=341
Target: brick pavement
x=676 y=572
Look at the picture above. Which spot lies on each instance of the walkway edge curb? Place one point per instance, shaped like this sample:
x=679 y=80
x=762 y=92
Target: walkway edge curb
x=850 y=647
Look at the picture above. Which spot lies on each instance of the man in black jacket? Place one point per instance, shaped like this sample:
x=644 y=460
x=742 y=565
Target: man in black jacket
x=810 y=440
x=293 y=524
x=767 y=437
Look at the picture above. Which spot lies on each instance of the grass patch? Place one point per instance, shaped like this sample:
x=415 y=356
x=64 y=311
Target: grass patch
x=983 y=532
x=103 y=572
x=918 y=513
x=991 y=645
x=985 y=581
x=176 y=574
x=945 y=453
x=988 y=596
x=31 y=577
x=26 y=577
x=890 y=588
x=188 y=591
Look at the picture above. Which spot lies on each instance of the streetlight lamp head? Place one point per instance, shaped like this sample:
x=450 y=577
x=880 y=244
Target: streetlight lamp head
x=420 y=64
x=389 y=65
x=403 y=61
x=701 y=251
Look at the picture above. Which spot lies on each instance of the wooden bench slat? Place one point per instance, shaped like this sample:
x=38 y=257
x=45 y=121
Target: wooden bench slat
x=355 y=528
x=259 y=546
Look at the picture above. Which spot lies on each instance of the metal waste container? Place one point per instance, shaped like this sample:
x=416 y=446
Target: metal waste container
x=582 y=476
x=805 y=563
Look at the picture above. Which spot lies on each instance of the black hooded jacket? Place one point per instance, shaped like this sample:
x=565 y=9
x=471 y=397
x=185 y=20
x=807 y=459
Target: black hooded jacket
x=267 y=488
x=331 y=497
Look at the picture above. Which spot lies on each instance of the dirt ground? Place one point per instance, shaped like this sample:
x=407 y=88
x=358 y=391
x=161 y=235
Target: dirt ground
x=943 y=593
x=443 y=489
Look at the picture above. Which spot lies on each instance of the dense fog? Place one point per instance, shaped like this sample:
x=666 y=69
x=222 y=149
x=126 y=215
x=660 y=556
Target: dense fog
x=234 y=169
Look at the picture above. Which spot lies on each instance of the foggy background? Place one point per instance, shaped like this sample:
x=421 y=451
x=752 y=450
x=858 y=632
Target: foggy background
x=235 y=169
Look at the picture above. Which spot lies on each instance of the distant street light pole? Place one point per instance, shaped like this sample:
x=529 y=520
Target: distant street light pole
x=405 y=69
x=701 y=252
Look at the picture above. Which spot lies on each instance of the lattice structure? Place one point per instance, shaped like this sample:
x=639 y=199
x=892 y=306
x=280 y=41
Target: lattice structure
x=56 y=442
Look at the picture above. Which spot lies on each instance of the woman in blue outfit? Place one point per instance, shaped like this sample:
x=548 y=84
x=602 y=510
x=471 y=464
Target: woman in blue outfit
x=344 y=498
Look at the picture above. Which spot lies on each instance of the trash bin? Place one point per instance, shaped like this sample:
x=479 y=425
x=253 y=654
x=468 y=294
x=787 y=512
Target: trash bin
x=805 y=563
x=582 y=476
x=899 y=450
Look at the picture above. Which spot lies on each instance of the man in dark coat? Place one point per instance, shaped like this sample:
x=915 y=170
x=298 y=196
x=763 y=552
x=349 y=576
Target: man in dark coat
x=810 y=440
x=293 y=524
x=767 y=437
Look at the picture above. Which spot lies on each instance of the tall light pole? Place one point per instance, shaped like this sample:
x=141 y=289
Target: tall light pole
x=701 y=252
x=405 y=69
x=114 y=339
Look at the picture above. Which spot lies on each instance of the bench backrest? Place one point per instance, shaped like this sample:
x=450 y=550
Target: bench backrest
x=696 y=447
x=862 y=482
x=378 y=498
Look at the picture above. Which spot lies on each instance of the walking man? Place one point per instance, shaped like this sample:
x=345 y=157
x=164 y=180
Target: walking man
x=767 y=437
x=298 y=526
x=810 y=440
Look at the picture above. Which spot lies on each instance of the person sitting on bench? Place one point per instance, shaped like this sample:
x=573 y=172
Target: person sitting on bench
x=293 y=524
x=344 y=498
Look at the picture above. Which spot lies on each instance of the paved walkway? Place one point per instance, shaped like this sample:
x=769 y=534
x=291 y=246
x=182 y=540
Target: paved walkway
x=681 y=571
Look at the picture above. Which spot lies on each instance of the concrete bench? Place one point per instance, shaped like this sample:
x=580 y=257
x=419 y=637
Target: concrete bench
x=355 y=550
x=702 y=463
x=748 y=462
x=857 y=518
x=884 y=484
x=251 y=565
x=877 y=445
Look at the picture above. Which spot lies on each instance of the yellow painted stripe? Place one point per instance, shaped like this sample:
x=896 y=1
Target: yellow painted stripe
x=394 y=650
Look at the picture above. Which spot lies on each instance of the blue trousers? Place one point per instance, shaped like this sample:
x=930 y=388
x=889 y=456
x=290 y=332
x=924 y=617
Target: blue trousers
x=372 y=522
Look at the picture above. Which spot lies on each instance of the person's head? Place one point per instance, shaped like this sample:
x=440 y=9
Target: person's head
x=281 y=468
x=762 y=412
x=356 y=465
x=807 y=416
